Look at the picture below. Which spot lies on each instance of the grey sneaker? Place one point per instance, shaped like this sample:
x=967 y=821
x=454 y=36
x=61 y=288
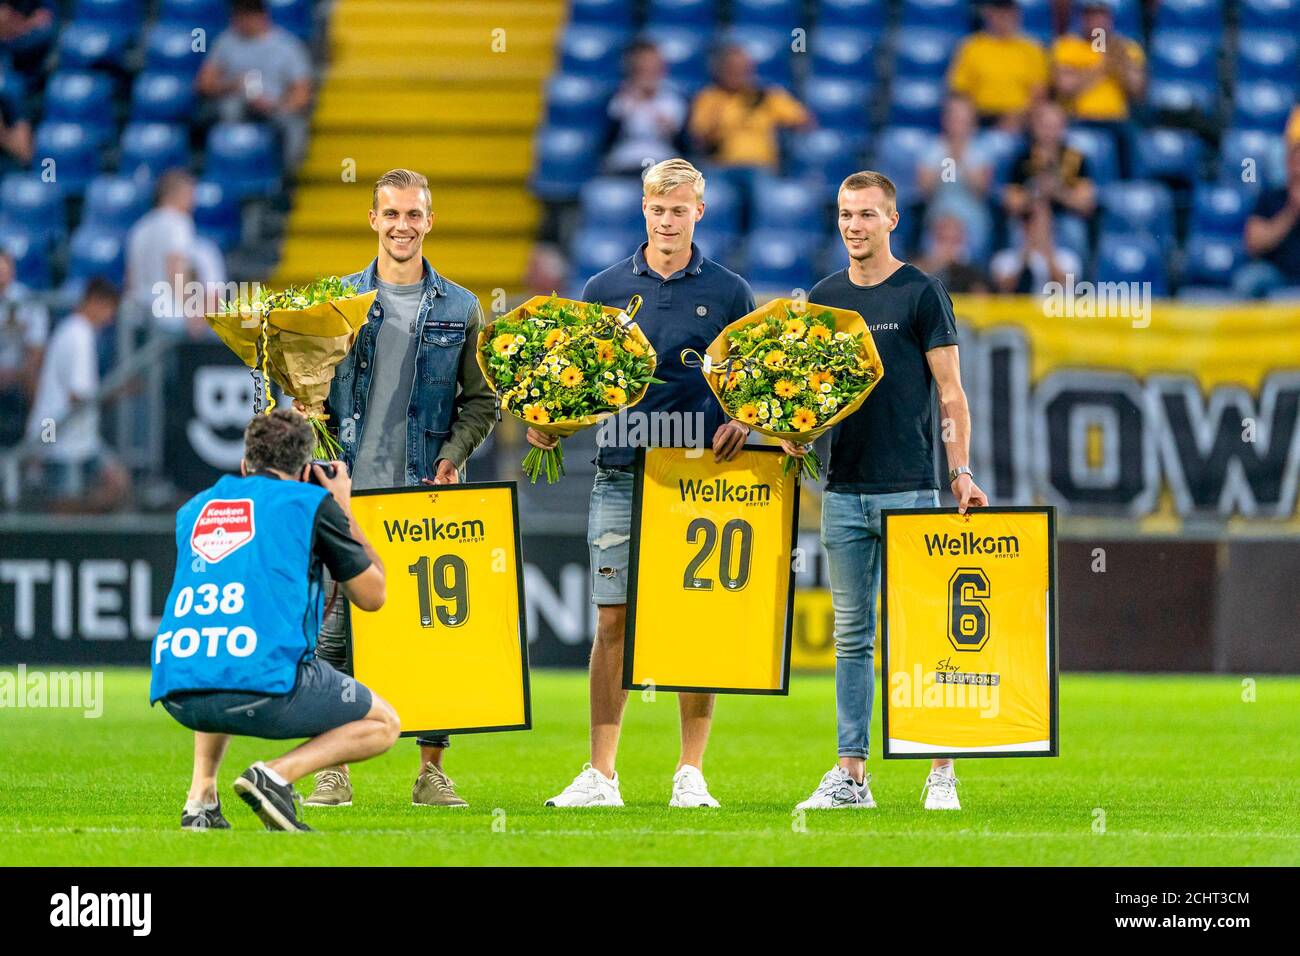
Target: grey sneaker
x=838 y=791
x=274 y=803
x=433 y=788
x=204 y=818
x=333 y=789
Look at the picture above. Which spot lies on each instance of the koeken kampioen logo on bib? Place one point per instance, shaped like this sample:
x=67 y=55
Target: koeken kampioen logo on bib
x=221 y=528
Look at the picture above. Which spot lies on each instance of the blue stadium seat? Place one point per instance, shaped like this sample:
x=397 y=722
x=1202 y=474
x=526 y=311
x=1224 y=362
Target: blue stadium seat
x=1169 y=155
x=1003 y=148
x=36 y=207
x=120 y=13
x=31 y=256
x=924 y=52
x=577 y=100
x=168 y=48
x=1212 y=260
x=682 y=13
x=294 y=15
x=686 y=55
x=769 y=49
x=1123 y=258
x=1262 y=104
x=81 y=97
x=722 y=210
x=210 y=15
x=95 y=252
x=1203 y=15
x=776 y=261
x=715 y=244
x=826 y=155
x=1037 y=20
x=75 y=151
x=84 y=46
x=1184 y=96
x=851 y=14
x=1099 y=149
x=950 y=14
x=899 y=150
x=1139 y=207
x=1271 y=15
x=115 y=202
x=839 y=104
x=616 y=13
x=244 y=158
x=611 y=202
x=150 y=149
x=844 y=53
x=595 y=52
x=1258 y=153
x=783 y=15
x=791 y=204
x=1267 y=55
x=1219 y=209
x=566 y=158
x=916 y=102
x=596 y=250
x=1183 y=55
x=162 y=98
x=217 y=214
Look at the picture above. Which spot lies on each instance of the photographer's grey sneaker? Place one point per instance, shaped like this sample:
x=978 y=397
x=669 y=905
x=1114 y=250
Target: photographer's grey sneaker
x=433 y=788
x=333 y=789
x=274 y=803
x=201 y=817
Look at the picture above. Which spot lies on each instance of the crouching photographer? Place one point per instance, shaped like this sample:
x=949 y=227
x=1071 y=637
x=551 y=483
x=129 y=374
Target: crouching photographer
x=235 y=650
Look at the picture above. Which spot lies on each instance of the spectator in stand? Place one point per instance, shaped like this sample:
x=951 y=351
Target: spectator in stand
x=24 y=328
x=954 y=175
x=1099 y=74
x=78 y=473
x=27 y=32
x=1002 y=70
x=647 y=116
x=210 y=271
x=1035 y=260
x=947 y=257
x=160 y=251
x=261 y=72
x=1273 y=236
x=1293 y=126
x=15 y=128
x=735 y=122
x=1050 y=172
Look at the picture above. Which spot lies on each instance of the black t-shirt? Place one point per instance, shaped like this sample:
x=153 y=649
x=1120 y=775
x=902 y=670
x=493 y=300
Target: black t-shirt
x=887 y=445
x=1286 y=254
x=332 y=543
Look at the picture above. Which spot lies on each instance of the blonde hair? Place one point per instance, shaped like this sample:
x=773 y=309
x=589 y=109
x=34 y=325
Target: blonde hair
x=401 y=179
x=869 y=178
x=664 y=177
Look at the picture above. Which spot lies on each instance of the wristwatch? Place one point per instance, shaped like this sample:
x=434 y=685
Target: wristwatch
x=954 y=473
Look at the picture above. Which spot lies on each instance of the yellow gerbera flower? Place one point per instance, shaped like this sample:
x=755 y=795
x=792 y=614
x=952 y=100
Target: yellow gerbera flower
x=818 y=379
x=632 y=346
x=748 y=413
x=571 y=376
x=536 y=415
x=554 y=338
x=803 y=419
x=819 y=333
x=502 y=343
x=732 y=380
x=604 y=350
x=615 y=395
x=795 y=328
x=785 y=388
x=774 y=358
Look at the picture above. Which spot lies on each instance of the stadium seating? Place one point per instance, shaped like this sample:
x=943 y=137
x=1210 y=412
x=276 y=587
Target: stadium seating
x=96 y=252
x=826 y=156
x=593 y=51
x=150 y=149
x=162 y=98
x=769 y=49
x=925 y=53
x=791 y=205
x=776 y=260
x=783 y=15
x=566 y=157
x=115 y=202
x=209 y=15
x=74 y=151
x=1172 y=155
x=842 y=53
x=1212 y=260
x=692 y=13
x=576 y=100
x=217 y=214
x=34 y=205
x=1273 y=15
x=916 y=102
x=1125 y=258
x=1219 y=210
x=168 y=47
x=1202 y=15
x=840 y=105
x=852 y=14
x=1140 y=208
x=294 y=15
x=685 y=52
x=31 y=256
x=936 y=13
x=1252 y=155
x=1262 y=104
x=85 y=45
x=1267 y=55
x=81 y=97
x=244 y=158
x=611 y=203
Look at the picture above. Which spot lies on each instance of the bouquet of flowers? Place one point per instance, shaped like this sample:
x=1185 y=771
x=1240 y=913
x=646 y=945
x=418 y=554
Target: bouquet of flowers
x=297 y=338
x=792 y=370
x=560 y=365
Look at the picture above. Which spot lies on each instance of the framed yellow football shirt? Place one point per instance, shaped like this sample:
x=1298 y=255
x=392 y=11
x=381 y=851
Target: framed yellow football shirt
x=449 y=647
x=968 y=632
x=711 y=572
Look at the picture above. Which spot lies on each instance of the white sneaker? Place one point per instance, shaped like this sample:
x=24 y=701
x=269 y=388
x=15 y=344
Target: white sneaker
x=591 y=788
x=839 y=791
x=940 y=791
x=690 y=790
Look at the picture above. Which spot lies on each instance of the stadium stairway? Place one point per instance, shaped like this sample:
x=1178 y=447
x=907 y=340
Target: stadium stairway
x=425 y=84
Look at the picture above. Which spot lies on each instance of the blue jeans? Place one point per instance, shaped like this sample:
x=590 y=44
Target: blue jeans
x=851 y=536
x=609 y=535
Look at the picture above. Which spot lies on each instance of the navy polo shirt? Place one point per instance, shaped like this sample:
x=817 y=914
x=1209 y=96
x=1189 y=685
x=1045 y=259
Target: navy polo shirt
x=685 y=310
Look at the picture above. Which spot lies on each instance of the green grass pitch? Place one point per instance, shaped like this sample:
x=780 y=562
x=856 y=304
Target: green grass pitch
x=1179 y=769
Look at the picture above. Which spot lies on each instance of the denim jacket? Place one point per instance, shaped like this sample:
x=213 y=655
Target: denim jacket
x=445 y=311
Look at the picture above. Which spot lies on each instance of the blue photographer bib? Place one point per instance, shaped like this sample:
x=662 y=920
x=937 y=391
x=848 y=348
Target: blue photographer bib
x=243 y=610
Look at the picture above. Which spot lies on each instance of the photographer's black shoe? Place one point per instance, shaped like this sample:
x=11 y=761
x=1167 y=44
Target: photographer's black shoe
x=275 y=803
x=204 y=818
